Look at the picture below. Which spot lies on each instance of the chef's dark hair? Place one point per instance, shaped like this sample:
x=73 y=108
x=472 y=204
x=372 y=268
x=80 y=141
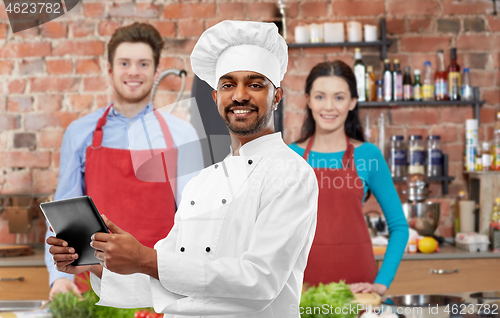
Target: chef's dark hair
x=137 y=33
x=352 y=126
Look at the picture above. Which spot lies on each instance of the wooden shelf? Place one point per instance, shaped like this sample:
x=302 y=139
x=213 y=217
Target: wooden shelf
x=444 y=179
x=482 y=172
x=382 y=44
x=430 y=179
x=422 y=103
x=339 y=44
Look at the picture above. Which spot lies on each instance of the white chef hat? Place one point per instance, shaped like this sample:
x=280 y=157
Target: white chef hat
x=231 y=46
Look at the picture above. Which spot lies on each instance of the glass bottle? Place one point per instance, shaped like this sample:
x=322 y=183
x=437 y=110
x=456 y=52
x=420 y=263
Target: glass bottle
x=461 y=197
x=428 y=87
x=454 y=84
x=387 y=80
x=417 y=86
x=497 y=142
x=397 y=156
x=416 y=155
x=434 y=162
x=380 y=91
x=397 y=85
x=407 y=85
x=441 y=79
x=479 y=159
x=359 y=72
x=370 y=84
x=486 y=156
x=466 y=87
x=495 y=227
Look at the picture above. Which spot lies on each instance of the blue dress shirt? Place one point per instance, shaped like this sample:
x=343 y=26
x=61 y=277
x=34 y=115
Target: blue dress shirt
x=79 y=136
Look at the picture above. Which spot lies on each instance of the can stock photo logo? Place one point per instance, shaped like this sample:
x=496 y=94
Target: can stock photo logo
x=26 y=14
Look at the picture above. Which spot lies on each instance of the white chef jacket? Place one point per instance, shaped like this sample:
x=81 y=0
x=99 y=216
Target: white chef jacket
x=240 y=242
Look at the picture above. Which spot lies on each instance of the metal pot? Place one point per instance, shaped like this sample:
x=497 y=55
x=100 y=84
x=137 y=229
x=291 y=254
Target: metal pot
x=422 y=216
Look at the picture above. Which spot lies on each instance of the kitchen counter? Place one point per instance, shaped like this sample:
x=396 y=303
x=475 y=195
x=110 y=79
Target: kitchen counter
x=446 y=252
x=36 y=259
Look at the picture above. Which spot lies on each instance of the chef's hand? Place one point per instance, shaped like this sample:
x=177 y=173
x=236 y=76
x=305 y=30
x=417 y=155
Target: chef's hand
x=63 y=256
x=368 y=288
x=63 y=285
x=121 y=253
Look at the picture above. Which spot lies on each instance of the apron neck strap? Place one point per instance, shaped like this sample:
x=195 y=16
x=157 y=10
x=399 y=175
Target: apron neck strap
x=308 y=147
x=169 y=142
x=347 y=154
x=97 y=140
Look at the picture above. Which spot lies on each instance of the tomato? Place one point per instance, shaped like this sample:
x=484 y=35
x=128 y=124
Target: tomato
x=151 y=315
x=140 y=314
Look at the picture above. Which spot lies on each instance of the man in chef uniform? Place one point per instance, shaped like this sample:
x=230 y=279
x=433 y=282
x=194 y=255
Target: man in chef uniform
x=244 y=227
x=95 y=160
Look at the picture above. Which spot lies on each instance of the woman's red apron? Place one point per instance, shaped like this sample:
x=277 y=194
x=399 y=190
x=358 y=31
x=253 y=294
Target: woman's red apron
x=342 y=248
x=144 y=209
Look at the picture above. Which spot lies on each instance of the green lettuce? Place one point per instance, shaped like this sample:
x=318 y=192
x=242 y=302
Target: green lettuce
x=328 y=301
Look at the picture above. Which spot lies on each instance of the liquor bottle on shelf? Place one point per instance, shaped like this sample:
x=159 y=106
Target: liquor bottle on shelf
x=496 y=159
x=387 y=80
x=359 y=72
x=479 y=158
x=486 y=156
x=454 y=84
x=417 y=86
x=407 y=85
x=466 y=87
x=461 y=197
x=428 y=87
x=370 y=84
x=495 y=227
x=441 y=79
x=397 y=82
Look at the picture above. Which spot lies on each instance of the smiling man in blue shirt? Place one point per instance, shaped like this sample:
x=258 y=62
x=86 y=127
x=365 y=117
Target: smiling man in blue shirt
x=95 y=155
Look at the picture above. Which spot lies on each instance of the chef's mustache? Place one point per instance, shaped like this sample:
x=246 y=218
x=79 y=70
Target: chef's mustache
x=245 y=104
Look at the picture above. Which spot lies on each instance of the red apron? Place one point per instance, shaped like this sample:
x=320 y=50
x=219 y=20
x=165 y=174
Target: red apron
x=342 y=248
x=144 y=209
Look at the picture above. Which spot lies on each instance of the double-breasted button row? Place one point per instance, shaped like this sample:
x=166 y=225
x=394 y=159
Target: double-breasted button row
x=207 y=249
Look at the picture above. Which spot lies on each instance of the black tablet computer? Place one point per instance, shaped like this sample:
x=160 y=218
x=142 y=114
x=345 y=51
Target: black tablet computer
x=75 y=221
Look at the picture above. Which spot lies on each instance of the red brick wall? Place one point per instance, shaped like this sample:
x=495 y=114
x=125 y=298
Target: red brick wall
x=53 y=74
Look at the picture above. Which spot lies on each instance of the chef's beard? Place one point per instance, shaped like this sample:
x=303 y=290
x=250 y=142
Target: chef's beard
x=250 y=128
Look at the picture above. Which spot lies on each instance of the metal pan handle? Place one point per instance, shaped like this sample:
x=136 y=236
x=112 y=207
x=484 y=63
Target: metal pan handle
x=444 y=271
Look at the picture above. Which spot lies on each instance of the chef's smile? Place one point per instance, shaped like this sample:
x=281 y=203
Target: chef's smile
x=241 y=112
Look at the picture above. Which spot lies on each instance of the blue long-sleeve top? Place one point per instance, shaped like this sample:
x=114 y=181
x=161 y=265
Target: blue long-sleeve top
x=78 y=137
x=373 y=170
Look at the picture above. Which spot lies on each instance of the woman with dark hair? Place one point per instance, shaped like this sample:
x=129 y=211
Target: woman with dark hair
x=347 y=168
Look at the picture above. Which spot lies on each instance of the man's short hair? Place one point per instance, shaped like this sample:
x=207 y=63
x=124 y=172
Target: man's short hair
x=137 y=33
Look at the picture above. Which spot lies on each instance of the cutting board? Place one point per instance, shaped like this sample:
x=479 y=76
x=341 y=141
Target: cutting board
x=16 y=250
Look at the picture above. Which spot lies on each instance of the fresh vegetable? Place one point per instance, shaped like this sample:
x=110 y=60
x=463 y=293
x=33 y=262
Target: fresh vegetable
x=67 y=305
x=328 y=301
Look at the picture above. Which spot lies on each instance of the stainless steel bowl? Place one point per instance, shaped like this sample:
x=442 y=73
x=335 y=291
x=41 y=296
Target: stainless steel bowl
x=422 y=216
